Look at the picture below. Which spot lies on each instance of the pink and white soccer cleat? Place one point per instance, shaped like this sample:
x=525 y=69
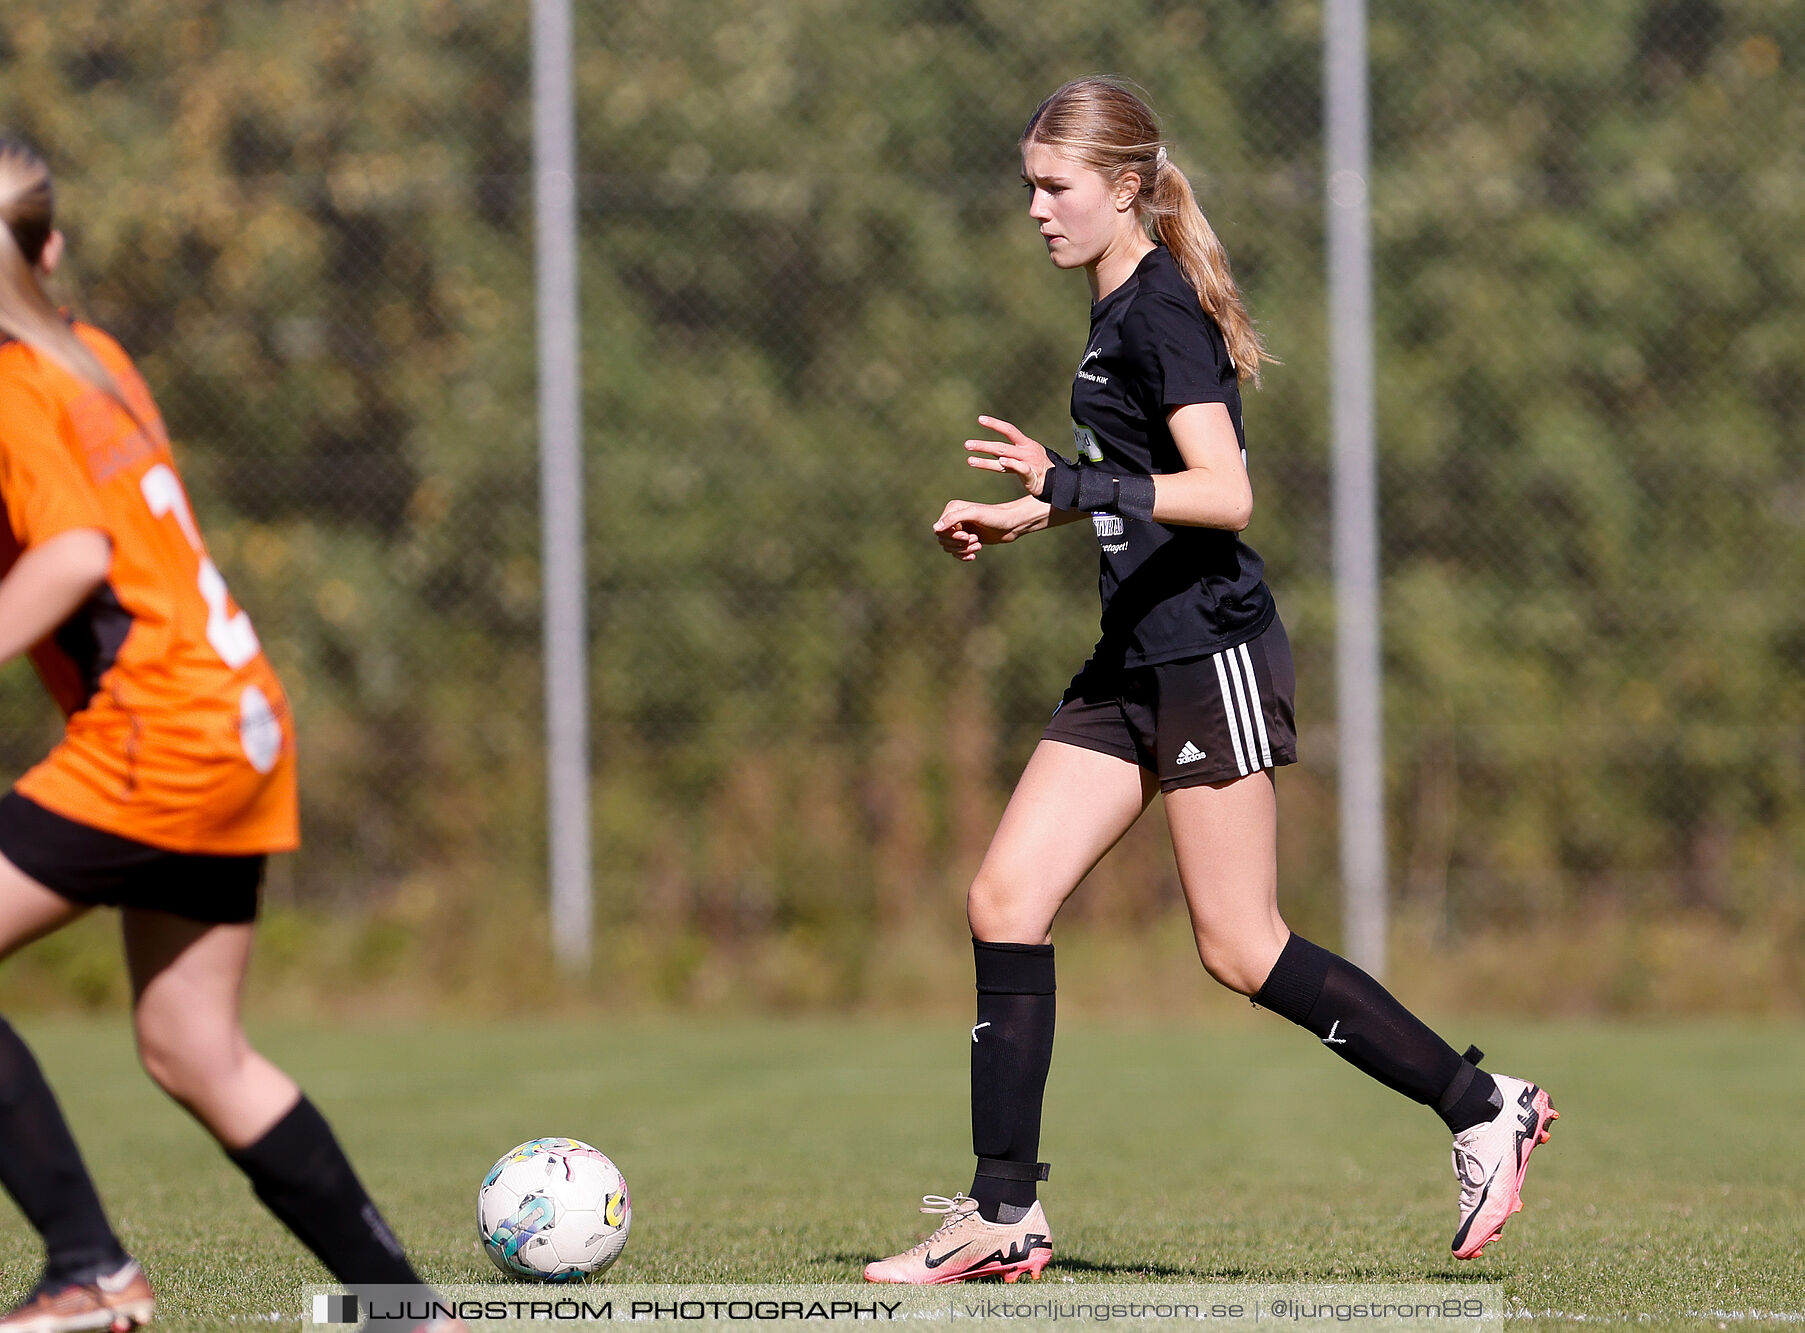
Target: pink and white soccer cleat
x=1491 y=1158
x=966 y=1246
x=116 y=1301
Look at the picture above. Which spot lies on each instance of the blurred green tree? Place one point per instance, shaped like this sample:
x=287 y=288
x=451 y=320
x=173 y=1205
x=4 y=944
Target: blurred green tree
x=805 y=273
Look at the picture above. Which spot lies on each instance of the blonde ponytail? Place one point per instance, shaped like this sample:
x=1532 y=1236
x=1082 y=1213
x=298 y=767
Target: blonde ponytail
x=26 y=203
x=1106 y=127
x=1186 y=232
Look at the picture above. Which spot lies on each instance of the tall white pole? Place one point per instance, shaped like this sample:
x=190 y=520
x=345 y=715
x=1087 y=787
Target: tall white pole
x=561 y=487
x=1359 y=679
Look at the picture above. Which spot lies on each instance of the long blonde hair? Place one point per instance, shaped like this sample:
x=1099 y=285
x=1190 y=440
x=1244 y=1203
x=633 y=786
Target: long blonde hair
x=27 y=204
x=1106 y=127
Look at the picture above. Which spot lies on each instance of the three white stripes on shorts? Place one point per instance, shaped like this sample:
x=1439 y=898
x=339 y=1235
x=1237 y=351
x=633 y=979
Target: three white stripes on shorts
x=1241 y=706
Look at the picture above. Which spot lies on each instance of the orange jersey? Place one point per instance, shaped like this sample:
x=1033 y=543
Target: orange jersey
x=179 y=734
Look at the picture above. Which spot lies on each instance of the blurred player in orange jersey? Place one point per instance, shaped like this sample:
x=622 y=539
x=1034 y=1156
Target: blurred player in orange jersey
x=174 y=781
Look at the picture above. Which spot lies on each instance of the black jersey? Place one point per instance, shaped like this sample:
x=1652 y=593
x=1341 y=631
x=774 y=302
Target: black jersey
x=1169 y=592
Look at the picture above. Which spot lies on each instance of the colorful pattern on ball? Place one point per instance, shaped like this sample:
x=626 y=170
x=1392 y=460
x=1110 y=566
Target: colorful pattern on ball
x=553 y=1210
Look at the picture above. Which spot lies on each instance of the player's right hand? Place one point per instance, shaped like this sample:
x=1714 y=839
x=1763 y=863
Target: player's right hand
x=964 y=528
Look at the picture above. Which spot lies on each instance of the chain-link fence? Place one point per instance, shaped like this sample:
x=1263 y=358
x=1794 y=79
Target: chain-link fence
x=806 y=269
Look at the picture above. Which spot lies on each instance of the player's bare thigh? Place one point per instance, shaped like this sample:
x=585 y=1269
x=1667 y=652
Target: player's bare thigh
x=1070 y=807
x=28 y=910
x=1225 y=836
x=187 y=980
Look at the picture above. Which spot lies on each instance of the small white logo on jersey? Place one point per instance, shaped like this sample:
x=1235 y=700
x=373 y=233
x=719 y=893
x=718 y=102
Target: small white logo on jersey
x=1190 y=754
x=1107 y=525
x=1332 y=1039
x=258 y=730
x=974 y=1031
x=1090 y=356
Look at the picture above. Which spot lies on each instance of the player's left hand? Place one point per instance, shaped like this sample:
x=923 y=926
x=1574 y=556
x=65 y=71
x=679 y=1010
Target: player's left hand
x=1015 y=453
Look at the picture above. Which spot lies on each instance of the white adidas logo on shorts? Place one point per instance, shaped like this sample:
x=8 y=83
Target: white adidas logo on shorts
x=1190 y=754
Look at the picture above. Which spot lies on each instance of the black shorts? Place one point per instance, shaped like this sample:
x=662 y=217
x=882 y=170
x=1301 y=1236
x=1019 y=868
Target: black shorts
x=99 y=869
x=1191 y=722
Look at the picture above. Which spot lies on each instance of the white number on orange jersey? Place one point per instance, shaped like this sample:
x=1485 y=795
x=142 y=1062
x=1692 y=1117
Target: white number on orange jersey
x=231 y=636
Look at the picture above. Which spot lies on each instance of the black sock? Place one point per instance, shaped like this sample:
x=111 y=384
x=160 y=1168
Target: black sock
x=1011 y=1051
x=1364 y=1024
x=304 y=1178
x=42 y=1169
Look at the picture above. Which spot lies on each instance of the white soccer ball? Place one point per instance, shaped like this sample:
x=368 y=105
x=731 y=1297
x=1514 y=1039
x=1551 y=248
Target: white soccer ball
x=553 y=1210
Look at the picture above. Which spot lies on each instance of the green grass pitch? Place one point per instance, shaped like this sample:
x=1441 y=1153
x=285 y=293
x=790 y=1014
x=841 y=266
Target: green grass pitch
x=1671 y=1195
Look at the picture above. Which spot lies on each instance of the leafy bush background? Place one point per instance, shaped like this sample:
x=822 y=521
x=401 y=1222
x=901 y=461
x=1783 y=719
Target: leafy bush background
x=805 y=271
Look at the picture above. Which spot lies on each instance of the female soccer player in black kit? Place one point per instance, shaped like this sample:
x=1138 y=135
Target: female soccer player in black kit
x=1188 y=693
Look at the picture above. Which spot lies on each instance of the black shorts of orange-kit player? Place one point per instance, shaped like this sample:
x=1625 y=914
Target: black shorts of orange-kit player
x=99 y=869
x=1193 y=722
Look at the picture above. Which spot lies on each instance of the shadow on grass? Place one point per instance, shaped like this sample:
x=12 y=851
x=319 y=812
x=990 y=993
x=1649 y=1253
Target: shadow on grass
x=1208 y=1272
x=1066 y=1263
x=1062 y=1264
x=1204 y=1272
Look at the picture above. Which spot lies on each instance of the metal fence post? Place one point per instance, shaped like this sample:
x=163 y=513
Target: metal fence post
x=1359 y=680
x=561 y=486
